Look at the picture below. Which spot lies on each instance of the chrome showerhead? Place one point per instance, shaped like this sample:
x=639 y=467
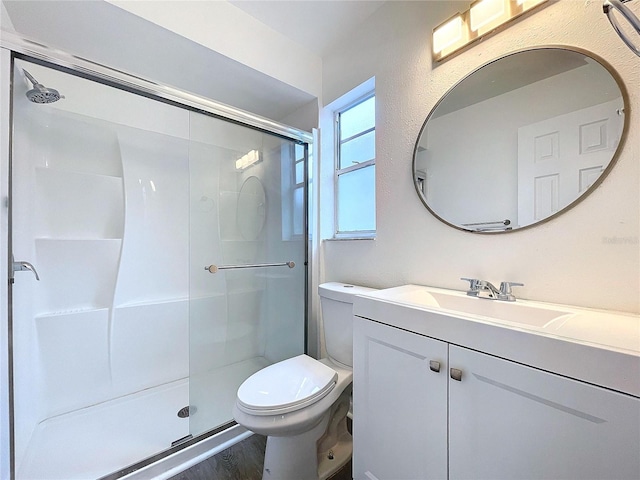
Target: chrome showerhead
x=40 y=93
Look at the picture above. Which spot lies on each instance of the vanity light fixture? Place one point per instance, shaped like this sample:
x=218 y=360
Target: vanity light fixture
x=248 y=160
x=482 y=18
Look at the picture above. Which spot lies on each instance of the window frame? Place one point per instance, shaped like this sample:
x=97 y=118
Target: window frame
x=337 y=171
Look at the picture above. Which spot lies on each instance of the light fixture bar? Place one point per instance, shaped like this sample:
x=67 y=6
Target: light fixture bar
x=247 y=160
x=482 y=18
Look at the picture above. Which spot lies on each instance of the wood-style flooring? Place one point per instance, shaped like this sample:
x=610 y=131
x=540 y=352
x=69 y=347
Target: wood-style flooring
x=242 y=461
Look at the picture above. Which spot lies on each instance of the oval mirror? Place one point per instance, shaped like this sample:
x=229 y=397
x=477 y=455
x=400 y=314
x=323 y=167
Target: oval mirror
x=520 y=140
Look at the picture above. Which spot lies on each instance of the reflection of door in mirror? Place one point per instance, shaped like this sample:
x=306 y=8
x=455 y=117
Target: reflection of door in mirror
x=561 y=157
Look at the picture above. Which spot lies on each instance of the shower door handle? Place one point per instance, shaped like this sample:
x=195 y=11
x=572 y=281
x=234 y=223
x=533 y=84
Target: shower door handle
x=24 y=267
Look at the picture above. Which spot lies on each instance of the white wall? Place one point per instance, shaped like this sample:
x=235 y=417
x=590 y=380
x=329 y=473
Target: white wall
x=590 y=256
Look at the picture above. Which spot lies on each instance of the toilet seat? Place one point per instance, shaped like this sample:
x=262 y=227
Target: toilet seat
x=286 y=386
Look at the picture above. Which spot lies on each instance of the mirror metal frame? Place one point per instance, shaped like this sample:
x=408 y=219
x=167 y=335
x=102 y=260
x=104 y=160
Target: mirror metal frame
x=625 y=129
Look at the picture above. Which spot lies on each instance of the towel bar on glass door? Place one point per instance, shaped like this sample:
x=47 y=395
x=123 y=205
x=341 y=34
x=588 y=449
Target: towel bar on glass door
x=215 y=268
x=501 y=222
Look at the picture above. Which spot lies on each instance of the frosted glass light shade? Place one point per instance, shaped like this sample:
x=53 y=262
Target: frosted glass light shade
x=447 y=34
x=486 y=15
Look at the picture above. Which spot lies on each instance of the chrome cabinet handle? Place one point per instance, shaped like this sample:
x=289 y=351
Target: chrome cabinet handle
x=434 y=366
x=24 y=267
x=456 y=374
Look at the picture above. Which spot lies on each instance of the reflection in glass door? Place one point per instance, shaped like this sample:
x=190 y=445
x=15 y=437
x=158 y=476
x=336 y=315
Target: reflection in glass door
x=247 y=267
x=119 y=202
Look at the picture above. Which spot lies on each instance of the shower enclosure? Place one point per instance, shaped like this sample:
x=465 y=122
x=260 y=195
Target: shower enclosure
x=168 y=248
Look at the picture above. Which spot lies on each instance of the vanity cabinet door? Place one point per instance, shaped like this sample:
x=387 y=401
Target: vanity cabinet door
x=399 y=404
x=510 y=421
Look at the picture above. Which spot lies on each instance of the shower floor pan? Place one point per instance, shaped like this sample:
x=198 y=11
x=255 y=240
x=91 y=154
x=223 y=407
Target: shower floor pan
x=104 y=438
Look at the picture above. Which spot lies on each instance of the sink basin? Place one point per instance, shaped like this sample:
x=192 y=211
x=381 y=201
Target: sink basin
x=506 y=311
x=458 y=302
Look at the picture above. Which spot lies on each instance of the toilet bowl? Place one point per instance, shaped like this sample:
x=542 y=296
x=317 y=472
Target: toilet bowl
x=301 y=404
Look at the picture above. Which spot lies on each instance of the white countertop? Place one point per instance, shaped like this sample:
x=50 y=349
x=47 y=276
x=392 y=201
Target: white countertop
x=596 y=346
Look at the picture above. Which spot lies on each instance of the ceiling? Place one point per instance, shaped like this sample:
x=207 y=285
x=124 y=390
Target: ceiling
x=317 y=25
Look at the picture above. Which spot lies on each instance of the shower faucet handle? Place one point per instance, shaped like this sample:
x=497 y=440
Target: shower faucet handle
x=24 y=267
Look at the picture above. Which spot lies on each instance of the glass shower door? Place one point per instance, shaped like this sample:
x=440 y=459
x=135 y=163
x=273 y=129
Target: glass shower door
x=246 y=211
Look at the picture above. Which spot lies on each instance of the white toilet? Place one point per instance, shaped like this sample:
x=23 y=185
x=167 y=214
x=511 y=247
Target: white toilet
x=301 y=404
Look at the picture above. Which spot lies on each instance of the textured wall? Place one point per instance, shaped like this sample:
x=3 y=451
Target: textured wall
x=590 y=256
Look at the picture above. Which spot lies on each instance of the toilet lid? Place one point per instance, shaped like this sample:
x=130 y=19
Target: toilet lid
x=286 y=386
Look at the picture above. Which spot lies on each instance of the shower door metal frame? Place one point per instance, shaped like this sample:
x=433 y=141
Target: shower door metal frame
x=15 y=46
x=39 y=53
x=6 y=322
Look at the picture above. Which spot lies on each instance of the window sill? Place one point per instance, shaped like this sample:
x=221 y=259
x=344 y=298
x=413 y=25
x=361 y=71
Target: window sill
x=354 y=237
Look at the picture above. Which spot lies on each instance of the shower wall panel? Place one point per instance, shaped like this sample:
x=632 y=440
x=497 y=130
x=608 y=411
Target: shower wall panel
x=155 y=253
x=74 y=360
x=149 y=345
x=101 y=209
x=150 y=332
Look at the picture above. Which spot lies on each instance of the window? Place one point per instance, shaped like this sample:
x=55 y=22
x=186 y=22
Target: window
x=293 y=190
x=355 y=184
x=298 y=190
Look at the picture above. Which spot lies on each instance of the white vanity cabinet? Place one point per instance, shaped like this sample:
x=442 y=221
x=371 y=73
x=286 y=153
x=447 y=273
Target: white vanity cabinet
x=399 y=404
x=500 y=420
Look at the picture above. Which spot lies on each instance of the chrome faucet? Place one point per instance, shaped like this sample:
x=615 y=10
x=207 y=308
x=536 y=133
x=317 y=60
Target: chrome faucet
x=485 y=289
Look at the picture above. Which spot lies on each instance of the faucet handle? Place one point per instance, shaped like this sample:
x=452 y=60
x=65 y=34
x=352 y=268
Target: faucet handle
x=474 y=285
x=505 y=291
x=505 y=287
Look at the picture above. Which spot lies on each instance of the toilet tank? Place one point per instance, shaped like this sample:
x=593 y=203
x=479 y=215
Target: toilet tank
x=336 y=302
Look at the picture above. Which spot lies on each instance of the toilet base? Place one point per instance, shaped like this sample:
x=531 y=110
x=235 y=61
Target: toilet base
x=336 y=445
x=315 y=454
